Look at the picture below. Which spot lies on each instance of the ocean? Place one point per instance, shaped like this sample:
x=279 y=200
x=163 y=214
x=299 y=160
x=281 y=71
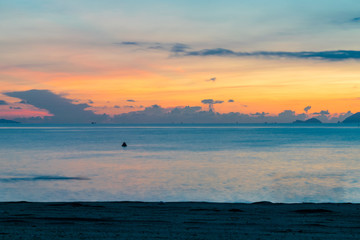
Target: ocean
x=216 y=163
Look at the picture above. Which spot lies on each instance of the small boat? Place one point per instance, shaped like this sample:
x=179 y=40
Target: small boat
x=124 y=144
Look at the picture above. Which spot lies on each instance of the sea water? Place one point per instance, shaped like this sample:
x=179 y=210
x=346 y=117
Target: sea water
x=217 y=163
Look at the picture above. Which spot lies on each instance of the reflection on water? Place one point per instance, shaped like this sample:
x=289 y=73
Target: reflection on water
x=227 y=164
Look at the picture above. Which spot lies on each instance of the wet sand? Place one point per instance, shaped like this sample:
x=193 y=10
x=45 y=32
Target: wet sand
x=188 y=220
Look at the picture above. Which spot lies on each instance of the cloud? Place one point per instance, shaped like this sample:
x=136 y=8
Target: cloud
x=231 y=101
x=130 y=100
x=340 y=117
x=211 y=103
x=290 y=116
x=66 y=111
x=62 y=109
x=179 y=48
x=15 y=107
x=213 y=79
x=306 y=109
x=157 y=114
x=90 y=101
x=214 y=52
x=357 y=19
x=174 y=48
x=129 y=43
x=262 y=114
x=287 y=113
x=322 y=112
x=336 y=55
x=2 y=102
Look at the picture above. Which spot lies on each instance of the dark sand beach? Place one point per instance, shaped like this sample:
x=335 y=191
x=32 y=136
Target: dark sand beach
x=187 y=220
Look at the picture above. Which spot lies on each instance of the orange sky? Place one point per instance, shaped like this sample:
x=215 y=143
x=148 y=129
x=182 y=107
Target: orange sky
x=278 y=85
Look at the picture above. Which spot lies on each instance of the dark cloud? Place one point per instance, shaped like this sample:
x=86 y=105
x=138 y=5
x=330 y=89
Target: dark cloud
x=231 y=101
x=129 y=43
x=90 y=101
x=207 y=101
x=66 y=111
x=322 y=112
x=2 y=102
x=337 y=55
x=179 y=48
x=157 y=114
x=158 y=47
x=306 y=109
x=357 y=19
x=262 y=114
x=213 y=79
x=211 y=101
x=15 y=107
x=287 y=113
x=214 y=52
x=62 y=109
x=130 y=100
x=174 y=48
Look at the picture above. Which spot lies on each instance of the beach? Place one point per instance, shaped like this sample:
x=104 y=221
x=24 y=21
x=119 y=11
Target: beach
x=178 y=220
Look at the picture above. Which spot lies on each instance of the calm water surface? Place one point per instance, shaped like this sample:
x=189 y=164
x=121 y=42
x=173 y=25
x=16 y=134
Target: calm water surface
x=222 y=163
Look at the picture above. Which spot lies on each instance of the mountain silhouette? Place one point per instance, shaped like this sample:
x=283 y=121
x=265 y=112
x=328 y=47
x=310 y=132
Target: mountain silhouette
x=355 y=118
x=7 y=121
x=310 y=120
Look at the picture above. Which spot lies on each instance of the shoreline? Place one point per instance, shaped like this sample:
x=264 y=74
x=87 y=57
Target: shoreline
x=178 y=220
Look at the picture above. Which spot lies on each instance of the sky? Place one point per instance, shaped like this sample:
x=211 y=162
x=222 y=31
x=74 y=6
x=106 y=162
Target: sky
x=108 y=59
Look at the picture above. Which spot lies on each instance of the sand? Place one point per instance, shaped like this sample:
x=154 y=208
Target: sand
x=188 y=220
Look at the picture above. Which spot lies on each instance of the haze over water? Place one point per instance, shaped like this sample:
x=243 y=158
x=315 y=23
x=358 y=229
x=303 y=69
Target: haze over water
x=220 y=163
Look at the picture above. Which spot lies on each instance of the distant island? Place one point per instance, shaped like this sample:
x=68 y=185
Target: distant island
x=7 y=121
x=310 y=120
x=355 y=118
